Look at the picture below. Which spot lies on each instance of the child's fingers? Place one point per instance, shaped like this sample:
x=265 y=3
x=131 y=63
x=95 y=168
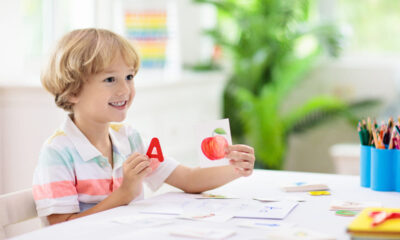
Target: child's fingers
x=141 y=166
x=241 y=164
x=244 y=172
x=146 y=171
x=132 y=157
x=241 y=148
x=136 y=161
x=235 y=155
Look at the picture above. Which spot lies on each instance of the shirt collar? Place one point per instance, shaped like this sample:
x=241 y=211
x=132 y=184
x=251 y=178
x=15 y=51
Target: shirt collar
x=120 y=139
x=86 y=149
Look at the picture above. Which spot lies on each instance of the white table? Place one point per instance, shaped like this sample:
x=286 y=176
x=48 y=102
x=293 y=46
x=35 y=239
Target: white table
x=312 y=214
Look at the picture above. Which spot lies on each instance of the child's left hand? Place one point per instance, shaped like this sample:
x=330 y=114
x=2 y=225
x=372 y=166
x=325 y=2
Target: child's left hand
x=242 y=158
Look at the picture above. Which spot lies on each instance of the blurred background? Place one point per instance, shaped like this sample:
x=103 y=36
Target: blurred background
x=292 y=76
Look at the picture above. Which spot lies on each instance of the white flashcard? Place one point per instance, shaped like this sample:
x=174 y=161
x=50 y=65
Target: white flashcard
x=142 y=221
x=298 y=233
x=352 y=205
x=204 y=233
x=213 y=138
x=264 y=224
x=209 y=195
x=206 y=216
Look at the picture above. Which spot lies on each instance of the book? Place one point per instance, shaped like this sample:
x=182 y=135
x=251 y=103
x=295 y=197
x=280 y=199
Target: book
x=362 y=226
x=304 y=187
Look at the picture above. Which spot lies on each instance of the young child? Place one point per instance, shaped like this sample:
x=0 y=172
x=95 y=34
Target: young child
x=90 y=165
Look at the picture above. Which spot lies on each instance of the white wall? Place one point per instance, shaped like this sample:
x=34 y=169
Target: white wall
x=168 y=111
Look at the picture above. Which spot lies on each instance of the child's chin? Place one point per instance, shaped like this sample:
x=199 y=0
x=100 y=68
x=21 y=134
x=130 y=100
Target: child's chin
x=118 y=118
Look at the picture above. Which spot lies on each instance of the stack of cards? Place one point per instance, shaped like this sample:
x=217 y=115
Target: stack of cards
x=304 y=187
x=352 y=205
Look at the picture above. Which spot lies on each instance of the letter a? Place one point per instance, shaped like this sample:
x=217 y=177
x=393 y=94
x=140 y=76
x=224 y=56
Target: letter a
x=155 y=144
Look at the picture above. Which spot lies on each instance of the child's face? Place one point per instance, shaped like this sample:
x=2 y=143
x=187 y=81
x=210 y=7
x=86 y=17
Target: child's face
x=106 y=96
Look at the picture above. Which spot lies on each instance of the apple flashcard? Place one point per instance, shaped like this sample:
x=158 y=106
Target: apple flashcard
x=213 y=138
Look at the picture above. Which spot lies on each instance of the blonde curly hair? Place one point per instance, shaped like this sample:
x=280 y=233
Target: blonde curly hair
x=78 y=55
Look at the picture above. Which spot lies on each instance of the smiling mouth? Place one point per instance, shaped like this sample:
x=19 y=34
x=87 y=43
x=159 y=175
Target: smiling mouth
x=120 y=104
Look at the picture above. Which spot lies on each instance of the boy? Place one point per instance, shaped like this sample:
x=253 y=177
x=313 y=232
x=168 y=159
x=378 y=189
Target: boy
x=91 y=165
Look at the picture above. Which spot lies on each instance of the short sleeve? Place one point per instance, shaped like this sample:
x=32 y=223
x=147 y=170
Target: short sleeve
x=156 y=178
x=53 y=187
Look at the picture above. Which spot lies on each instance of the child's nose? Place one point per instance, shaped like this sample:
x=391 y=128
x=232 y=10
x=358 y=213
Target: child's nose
x=123 y=88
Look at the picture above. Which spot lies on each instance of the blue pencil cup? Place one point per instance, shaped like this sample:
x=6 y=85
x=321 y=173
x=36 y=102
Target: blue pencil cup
x=383 y=169
x=397 y=170
x=365 y=166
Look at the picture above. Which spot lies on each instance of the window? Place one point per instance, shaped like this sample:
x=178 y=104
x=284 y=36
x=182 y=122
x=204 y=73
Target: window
x=374 y=25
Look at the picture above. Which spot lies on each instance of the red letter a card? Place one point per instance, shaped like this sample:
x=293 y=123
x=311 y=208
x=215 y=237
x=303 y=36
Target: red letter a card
x=155 y=144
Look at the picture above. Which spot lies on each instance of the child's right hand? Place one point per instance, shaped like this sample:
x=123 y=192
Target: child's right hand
x=135 y=168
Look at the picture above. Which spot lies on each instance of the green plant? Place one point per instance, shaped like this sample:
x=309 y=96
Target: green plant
x=272 y=44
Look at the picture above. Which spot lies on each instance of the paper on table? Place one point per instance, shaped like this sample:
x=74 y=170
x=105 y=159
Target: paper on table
x=303 y=186
x=278 y=199
x=264 y=224
x=142 y=221
x=207 y=217
x=204 y=233
x=239 y=207
x=270 y=210
x=298 y=233
x=209 y=195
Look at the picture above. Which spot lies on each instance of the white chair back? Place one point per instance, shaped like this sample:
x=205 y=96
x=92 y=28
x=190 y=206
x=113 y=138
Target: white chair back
x=17 y=213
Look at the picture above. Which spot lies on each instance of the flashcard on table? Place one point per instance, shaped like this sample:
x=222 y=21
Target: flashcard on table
x=303 y=186
x=213 y=138
x=298 y=233
x=264 y=224
x=204 y=233
x=143 y=221
x=206 y=216
x=352 y=205
x=270 y=210
x=215 y=196
x=274 y=199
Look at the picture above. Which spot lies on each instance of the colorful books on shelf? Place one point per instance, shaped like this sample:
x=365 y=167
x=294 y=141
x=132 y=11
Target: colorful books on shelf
x=376 y=223
x=149 y=31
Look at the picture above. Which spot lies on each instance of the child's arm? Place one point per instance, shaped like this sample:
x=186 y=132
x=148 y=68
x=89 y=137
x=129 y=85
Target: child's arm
x=195 y=180
x=135 y=168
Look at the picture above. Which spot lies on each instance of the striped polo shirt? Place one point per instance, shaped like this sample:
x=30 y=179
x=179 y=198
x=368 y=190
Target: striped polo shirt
x=72 y=175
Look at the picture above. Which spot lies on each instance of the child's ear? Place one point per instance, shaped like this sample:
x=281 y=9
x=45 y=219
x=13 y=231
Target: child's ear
x=73 y=98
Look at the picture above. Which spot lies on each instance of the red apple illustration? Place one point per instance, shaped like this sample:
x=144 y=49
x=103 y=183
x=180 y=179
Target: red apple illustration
x=214 y=147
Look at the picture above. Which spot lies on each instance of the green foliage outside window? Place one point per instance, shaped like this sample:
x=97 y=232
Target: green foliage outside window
x=272 y=44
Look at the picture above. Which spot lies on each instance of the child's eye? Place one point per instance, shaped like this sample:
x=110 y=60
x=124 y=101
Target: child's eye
x=129 y=77
x=109 y=80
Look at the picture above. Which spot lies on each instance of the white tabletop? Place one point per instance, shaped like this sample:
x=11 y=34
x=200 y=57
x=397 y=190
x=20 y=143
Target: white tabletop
x=312 y=214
